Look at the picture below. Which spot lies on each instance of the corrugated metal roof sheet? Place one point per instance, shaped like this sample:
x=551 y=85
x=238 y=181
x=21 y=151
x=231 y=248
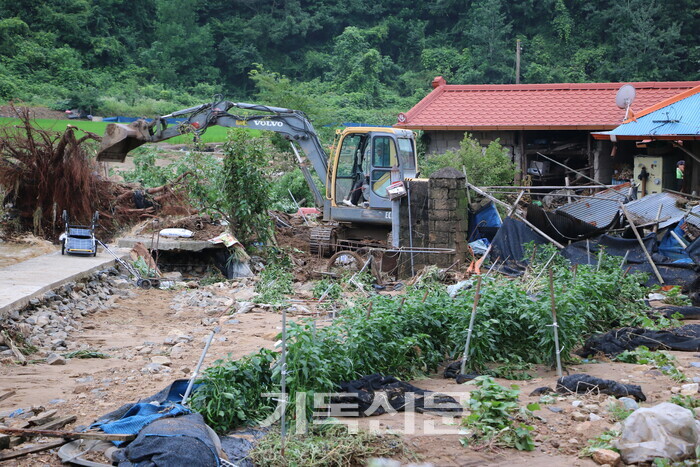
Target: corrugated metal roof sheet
x=679 y=118
x=517 y=106
x=644 y=210
x=600 y=209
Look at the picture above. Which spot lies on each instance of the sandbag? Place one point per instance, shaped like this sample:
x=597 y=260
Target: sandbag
x=666 y=431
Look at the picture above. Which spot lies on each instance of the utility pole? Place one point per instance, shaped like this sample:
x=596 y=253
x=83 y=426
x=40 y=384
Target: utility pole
x=517 y=62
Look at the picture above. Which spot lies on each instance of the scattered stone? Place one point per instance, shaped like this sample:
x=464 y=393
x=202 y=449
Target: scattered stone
x=161 y=360
x=244 y=307
x=576 y=403
x=55 y=359
x=606 y=456
x=675 y=390
x=573 y=441
x=695 y=364
x=177 y=351
x=554 y=443
x=696 y=410
x=591 y=408
x=594 y=418
x=690 y=389
x=579 y=417
x=629 y=403
x=152 y=368
x=554 y=409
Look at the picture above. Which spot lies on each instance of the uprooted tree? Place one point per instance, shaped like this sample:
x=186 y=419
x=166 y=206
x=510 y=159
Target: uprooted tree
x=44 y=172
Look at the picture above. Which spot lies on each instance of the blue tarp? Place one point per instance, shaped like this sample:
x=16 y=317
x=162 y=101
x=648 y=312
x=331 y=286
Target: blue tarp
x=670 y=247
x=140 y=415
x=480 y=221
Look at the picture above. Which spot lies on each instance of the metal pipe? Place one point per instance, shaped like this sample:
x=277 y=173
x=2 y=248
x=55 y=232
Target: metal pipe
x=569 y=168
x=641 y=243
x=555 y=325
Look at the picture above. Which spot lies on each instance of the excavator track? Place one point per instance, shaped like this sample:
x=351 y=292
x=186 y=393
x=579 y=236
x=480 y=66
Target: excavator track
x=323 y=240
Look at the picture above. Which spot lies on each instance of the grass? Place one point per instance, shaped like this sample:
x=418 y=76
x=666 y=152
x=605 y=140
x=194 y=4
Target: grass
x=326 y=445
x=214 y=134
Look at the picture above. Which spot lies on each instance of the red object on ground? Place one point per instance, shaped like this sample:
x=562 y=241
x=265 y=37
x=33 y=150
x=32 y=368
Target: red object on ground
x=307 y=211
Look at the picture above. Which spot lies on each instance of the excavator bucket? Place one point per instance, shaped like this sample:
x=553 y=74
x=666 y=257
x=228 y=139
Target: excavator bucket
x=119 y=139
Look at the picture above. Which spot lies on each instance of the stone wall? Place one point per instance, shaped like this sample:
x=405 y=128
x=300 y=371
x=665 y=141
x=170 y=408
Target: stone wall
x=438 y=219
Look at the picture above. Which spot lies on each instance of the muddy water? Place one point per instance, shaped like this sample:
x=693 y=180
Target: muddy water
x=16 y=252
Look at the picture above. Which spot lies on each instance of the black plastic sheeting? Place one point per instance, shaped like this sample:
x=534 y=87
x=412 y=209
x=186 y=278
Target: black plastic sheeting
x=181 y=440
x=357 y=397
x=509 y=242
x=564 y=227
x=685 y=338
x=583 y=384
x=586 y=252
x=509 y=245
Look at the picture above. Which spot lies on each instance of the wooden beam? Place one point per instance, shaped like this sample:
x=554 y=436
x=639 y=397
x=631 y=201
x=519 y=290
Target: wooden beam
x=31 y=449
x=641 y=242
x=68 y=434
x=7 y=394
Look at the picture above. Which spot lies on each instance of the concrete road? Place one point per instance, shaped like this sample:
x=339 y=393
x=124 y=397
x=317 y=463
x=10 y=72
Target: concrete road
x=29 y=279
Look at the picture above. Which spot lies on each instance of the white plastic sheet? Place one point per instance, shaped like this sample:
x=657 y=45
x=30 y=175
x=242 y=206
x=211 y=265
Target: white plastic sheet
x=667 y=431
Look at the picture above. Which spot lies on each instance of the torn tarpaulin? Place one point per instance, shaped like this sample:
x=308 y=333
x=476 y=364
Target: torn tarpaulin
x=377 y=394
x=562 y=226
x=586 y=252
x=685 y=338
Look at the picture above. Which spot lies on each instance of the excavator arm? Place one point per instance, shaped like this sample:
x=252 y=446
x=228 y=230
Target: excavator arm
x=119 y=139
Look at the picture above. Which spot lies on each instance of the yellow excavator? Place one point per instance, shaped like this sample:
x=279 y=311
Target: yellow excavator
x=363 y=163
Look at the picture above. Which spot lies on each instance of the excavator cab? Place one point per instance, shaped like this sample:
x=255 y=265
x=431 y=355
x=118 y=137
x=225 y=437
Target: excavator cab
x=366 y=162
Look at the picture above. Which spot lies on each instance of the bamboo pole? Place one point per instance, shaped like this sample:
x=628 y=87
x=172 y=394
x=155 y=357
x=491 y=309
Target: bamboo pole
x=519 y=216
x=641 y=243
x=465 y=356
x=555 y=325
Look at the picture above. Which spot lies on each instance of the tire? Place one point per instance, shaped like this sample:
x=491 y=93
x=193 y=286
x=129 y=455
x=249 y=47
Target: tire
x=345 y=261
x=145 y=284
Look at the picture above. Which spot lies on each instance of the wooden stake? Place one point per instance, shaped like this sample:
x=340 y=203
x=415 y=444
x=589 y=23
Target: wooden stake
x=425 y=295
x=555 y=325
x=641 y=243
x=465 y=356
x=31 y=449
x=403 y=299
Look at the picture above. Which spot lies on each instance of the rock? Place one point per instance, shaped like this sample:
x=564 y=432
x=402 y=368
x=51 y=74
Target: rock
x=177 y=351
x=695 y=364
x=606 y=456
x=555 y=409
x=579 y=417
x=161 y=360
x=244 y=307
x=629 y=403
x=152 y=368
x=675 y=390
x=573 y=441
x=554 y=443
x=690 y=389
x=696 y=410
x=55 y=359
x=594 y=418
x=576 y=403
x=591 y=408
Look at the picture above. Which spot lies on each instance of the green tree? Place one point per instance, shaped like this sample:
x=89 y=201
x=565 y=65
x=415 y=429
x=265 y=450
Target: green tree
x=490 y=165
x=246 y=188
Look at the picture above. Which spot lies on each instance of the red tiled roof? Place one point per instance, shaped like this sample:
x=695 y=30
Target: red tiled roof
x=563 y=106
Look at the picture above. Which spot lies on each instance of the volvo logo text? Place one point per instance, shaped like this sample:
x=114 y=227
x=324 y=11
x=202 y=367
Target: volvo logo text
x=267 y=123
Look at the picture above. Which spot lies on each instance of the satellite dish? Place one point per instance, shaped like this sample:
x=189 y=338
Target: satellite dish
x=624 y=98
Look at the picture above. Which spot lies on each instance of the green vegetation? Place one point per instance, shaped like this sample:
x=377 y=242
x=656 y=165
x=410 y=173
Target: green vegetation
x=365 y=60
x=689 y=402
x=659 y=359
x=86 y=353
x=325 y=445
x=618 y=411
x=373 y=336
x=486 y=166
x=246 y=189
x=605 y=440
x=496 y=418
x=275 y=282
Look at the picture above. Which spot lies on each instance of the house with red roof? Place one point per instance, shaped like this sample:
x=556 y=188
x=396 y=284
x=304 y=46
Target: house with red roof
x=531 y=120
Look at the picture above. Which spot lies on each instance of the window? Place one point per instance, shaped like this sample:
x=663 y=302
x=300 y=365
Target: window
x=406 y=157
x=384 y=154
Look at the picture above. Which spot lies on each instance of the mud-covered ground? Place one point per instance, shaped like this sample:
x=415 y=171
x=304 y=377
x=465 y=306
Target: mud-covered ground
x=156 y=336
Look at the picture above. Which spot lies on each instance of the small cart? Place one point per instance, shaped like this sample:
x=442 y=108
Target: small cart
x=79 y=239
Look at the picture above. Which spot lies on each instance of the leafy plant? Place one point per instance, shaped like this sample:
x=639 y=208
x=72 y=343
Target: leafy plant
x=605 y=440
x=659 y=359
x=246 y=188
x=486 y=166
x=689 y=402
x=496 y=418
x=618 y=411
x=674 y=296
x=233 y=393
x=332 y=289
x=86 y=353
x=275 y=282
